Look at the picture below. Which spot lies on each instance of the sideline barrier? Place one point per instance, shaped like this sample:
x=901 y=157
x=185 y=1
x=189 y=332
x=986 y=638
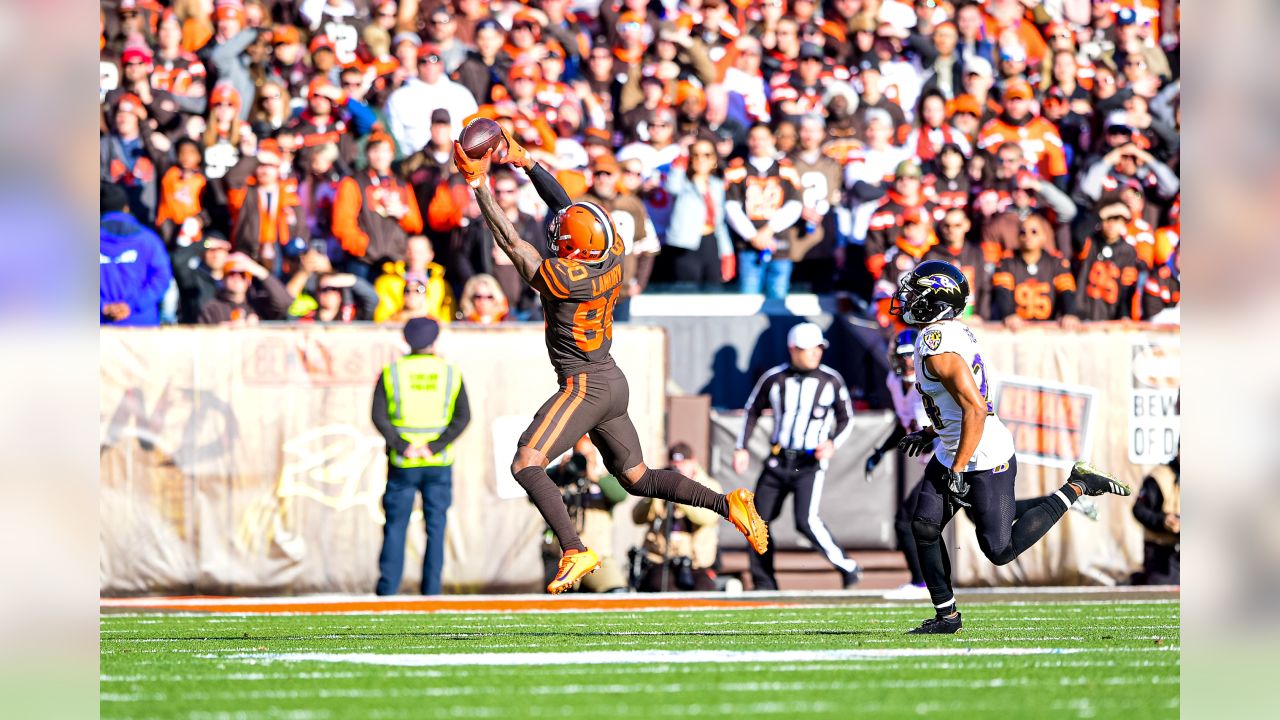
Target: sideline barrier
x=244 y=461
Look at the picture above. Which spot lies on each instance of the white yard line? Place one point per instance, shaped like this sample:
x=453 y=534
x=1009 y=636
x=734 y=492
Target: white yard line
x=617 y=657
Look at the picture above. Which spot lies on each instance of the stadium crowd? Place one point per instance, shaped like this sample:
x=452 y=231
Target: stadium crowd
x=291 y=159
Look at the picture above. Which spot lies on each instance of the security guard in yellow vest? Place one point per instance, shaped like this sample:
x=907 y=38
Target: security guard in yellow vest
x=1159 y=509
x=420 y=408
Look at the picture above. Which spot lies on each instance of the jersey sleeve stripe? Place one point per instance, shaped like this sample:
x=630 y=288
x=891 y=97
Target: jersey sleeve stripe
x=556 y=287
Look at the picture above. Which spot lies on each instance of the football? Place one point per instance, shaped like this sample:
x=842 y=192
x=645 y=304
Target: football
x=480 y=136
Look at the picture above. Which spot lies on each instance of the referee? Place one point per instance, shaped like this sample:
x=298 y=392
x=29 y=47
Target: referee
x=811 y=411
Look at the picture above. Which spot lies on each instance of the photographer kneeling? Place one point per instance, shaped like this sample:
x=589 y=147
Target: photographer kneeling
x=681 y=542
x=590 y=493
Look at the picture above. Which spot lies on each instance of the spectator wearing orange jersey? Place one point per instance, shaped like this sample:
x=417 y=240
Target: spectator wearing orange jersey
x=130 y=155
x=906 y=197
x=181 y=190
x=1108 y=276
x=322 y=124
x=375 y=212
x=1038 y=138
x=176 y=70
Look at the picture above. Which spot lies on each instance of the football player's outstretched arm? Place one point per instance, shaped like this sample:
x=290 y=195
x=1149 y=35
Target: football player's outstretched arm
x=957 y=378
x=549 y=189
x=524 y=256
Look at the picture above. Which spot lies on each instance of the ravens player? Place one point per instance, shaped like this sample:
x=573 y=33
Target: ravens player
x=973 y=466
x=579 y=287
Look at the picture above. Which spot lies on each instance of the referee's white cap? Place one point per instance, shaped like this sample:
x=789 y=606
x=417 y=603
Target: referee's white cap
x=805 y=336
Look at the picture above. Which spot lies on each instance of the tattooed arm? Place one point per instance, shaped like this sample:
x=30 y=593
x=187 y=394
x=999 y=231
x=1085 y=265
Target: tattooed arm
x=524 y=256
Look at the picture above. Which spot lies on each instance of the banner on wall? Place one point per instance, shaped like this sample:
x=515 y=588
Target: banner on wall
x=1051 y=422
x=1155 y=423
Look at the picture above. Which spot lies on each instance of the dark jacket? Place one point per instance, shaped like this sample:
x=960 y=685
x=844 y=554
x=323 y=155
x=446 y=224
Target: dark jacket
x=196 y=284
x=133 y=268
x=267 y=299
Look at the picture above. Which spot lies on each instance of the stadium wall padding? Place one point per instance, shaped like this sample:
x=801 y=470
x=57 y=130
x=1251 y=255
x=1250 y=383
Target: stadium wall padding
x=244 y=460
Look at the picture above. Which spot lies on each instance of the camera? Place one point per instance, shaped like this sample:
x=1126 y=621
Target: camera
x=571 y=472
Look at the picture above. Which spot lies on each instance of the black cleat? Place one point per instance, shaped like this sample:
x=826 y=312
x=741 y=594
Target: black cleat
x=851 y=577
x=1096 y=482
x=939 y=626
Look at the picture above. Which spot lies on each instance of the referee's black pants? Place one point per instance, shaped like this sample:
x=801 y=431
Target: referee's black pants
x=802 y=476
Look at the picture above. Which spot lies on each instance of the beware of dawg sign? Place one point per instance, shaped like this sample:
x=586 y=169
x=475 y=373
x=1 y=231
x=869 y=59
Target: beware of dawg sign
x=1050 y=422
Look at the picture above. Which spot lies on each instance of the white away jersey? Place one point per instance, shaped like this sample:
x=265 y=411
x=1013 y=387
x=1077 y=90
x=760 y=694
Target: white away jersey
x=996 y=445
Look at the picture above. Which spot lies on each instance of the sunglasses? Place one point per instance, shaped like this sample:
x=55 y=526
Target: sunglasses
x=417 y=289
x=440 y=21
x=432 y=59
x=635 y=173
x=483 y=297
x=348 y=83
x=1110 y=218
x=704 y=155
x=605 y=173
x=276 y=96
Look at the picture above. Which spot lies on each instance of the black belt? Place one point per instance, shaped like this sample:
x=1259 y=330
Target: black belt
x=791 y=456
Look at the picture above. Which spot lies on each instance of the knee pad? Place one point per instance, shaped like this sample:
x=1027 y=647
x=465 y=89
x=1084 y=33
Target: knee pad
x=925 y=532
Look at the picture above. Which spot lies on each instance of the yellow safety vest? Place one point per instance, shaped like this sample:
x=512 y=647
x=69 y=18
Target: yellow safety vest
x=421 y=393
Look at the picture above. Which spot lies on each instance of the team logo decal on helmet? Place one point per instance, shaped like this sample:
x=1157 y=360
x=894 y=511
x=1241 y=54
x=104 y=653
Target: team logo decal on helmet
x=934 y=290
x=938 y=282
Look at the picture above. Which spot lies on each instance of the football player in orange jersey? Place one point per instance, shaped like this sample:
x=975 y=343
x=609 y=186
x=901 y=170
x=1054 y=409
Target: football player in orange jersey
x=579 y=287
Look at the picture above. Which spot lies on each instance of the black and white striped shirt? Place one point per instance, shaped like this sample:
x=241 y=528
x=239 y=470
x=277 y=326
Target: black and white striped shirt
x=809 y=407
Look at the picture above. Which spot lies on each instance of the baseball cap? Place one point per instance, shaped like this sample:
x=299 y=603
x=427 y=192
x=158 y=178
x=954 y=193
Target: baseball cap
x=428 y=50
x=878 y=114
x=321 y=42
x=964 y=104
x=440 y=116
x=680 y=451
x=421 y=332
x=410 y=37
x=379 y=136
x=215 y=239
x=806 y=336
x=1013 y=52
x=912 y=216
x=1126 y=16
x=269 y=152
x=136 y=53
x=606 y=163
x=979 y=66
x=111 y=198
x=597 y=136
x=285 y=35
x=1118 y=122
x=131 y=103
x=1018 y=90
x=951 y=148
x=907 y=168
x=810 y=51
x=529 y=71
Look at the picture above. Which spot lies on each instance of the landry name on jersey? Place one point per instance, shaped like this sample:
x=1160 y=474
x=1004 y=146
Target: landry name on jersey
x=578 y=300
x=996 y=445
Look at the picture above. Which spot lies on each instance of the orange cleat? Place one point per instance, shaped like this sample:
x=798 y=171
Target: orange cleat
x=743 y=515
x=573 y=566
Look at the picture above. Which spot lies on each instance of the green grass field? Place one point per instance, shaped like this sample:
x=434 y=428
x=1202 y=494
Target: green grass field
x=1043 y=660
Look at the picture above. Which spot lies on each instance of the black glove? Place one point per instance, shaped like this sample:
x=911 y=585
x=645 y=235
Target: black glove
x=958 y=487
x=916 y=443
x=872 y=462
